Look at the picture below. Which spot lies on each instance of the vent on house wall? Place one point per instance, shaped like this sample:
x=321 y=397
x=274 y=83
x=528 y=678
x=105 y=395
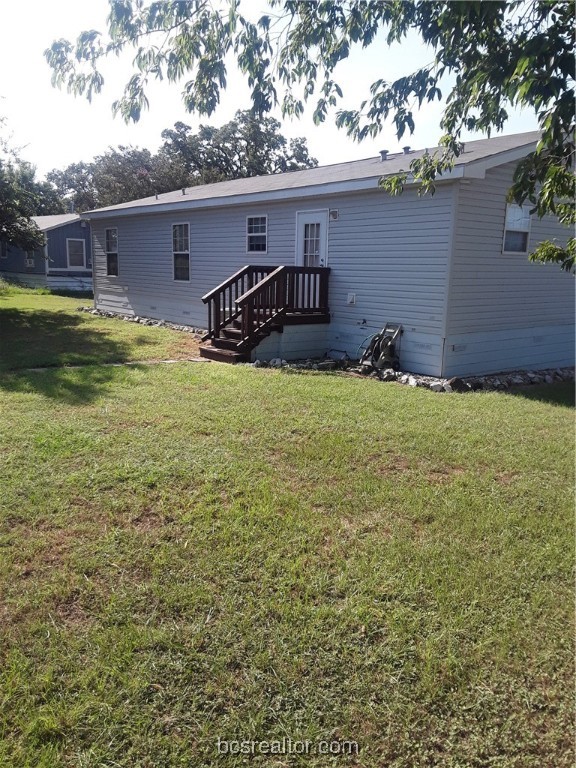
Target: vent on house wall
x=334 y=214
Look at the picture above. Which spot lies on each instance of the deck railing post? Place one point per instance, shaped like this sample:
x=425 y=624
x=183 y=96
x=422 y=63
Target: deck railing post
x=258 y=296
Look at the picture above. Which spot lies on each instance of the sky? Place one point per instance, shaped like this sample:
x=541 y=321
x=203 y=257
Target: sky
x=53 y=128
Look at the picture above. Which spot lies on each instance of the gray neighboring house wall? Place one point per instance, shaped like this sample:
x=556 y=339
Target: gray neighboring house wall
x=434 y=263
x=64 y=263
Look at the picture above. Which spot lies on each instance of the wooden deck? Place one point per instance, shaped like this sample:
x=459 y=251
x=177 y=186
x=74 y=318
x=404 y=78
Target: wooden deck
x=259 y=300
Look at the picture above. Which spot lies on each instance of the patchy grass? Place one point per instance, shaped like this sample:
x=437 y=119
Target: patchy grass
x=200 y=551
x=40 y=329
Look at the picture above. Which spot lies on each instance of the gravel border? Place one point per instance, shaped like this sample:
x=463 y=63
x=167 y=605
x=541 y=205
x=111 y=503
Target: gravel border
x=493 y=381
x=143 y=320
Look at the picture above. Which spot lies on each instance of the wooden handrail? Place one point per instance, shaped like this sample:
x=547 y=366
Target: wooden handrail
x=287 y=289
x=261 y=295
x=242 y=300
x=221 y=300
x=244 y=271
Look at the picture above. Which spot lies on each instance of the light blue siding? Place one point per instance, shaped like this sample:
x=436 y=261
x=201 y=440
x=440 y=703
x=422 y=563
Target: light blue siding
x=391 y=252
x=433 y=264
x=296 y=342
x=504 y=313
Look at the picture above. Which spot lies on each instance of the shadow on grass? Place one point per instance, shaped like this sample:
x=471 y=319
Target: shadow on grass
x=72 y=294
x=557 y=394
x=72 y=386
x=54 y=340
x=41 y=338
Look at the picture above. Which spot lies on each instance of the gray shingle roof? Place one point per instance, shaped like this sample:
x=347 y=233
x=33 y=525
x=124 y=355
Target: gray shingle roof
x=355 y=170
x=52 y=222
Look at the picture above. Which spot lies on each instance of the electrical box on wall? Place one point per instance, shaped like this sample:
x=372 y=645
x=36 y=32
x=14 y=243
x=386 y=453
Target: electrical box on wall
x=351 y=298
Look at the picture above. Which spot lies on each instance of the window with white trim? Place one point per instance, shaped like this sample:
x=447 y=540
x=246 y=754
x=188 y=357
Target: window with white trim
x=76 y=253
x=112 y=252
x=257 y=234
x=181 y=251
x=517 y=229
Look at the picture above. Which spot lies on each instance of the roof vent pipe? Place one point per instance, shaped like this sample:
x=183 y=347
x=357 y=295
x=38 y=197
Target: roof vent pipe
x=183 y=190
x=406 y=150
x=383 y=155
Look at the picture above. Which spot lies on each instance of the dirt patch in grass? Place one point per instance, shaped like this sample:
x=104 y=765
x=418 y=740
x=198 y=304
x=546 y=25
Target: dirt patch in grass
x=146 y=521
x=71 y=613
x=444 y=475
x=185 y=348
x=506 y=478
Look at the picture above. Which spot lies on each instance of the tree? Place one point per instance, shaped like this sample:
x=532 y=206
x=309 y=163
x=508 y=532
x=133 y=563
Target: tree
x=244 y=147
x=75 y=185
x=22 y=197
x=123 y=174
x=488 y=56
x=17 y=206
x=43 y=196
x=120 y=174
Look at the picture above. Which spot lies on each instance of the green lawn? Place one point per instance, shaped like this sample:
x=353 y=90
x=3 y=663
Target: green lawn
x=199 y=551
x=38 y=329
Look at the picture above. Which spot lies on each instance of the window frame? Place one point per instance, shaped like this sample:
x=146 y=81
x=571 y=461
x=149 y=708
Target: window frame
x=259 y=234
x=527 y=231
x=111 y=253
x=180 y=253
x=76 y=240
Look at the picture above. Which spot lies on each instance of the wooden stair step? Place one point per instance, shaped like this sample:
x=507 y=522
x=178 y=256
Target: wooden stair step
x=231 y=333
x=236 y=326
x=223 y=355
x=223 y=343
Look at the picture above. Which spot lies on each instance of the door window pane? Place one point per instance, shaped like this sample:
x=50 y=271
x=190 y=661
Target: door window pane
x=312 y=245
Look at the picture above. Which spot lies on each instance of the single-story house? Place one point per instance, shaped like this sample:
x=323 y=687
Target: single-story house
x=300 y=264
x=65 y=261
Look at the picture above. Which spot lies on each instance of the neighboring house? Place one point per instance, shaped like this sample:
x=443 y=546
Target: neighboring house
x=65 y=262
x=332 y=258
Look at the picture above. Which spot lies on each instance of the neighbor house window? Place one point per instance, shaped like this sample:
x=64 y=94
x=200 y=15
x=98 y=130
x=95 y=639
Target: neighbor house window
x=181 y=251
x=76 y=250
x=256 y=234
x=517 y=229
x=112 y=252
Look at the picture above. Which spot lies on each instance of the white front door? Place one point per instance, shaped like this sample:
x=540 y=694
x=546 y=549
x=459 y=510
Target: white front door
x=311 y=239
